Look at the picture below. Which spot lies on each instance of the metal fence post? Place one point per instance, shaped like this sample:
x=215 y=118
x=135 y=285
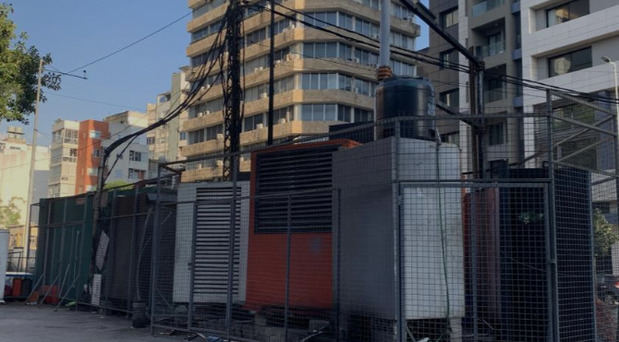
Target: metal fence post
x=192 y=266
x=287 y=284
x=231 y=239
x=551 y=231
x=338 y=222
x=155 y=252
x=132 y=251
x=473 y=253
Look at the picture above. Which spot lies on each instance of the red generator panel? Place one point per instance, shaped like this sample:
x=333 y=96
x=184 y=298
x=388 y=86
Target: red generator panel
x=291 y=186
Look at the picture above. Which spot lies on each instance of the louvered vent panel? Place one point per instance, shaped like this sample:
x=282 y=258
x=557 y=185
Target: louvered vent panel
x=295 y=170
x=212 y=241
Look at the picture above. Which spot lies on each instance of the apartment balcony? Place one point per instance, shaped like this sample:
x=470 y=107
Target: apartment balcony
x=281 y=130
x=485 y=6
x=204 y=173
x=490 y=49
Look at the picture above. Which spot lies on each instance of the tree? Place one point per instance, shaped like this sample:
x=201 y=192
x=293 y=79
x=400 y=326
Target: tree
x=605 y=234
x=9 y=213
x=19 y=67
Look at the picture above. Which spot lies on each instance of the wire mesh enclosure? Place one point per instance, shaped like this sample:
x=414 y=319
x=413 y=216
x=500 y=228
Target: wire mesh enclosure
x=387 y=231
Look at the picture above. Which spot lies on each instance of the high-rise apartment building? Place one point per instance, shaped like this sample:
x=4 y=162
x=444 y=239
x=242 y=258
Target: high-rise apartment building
x=63 y=159
x=164 y=142
x=568 y=44
x=320 y=79
x=446 y=81
x=491 y=28
x=130 y=166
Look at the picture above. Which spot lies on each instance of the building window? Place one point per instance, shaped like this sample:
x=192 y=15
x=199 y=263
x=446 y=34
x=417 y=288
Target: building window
x=135 y=156
x=321 y=19
x=94 y=134
x=183 y=136
x=451 y=98
x=402 y=68
x=366 y=57
x=449 y=58
x=250 y=123
x=320 y=50
x=136 y=174
x=96 y=152
x=283 y=115
x=362 y=115
x=319 y=112
x=70 y=136
x=92 y=171
x=568 y=62
x=213 y=131
x=150 y=140
x=449 y=17
x=496 y=134
x=566 y=12
x=345 y=21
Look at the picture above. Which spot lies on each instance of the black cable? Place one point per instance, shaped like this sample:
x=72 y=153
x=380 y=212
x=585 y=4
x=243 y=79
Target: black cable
x=130 y=44
x=433 y=60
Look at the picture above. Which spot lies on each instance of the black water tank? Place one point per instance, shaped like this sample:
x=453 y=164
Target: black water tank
x=406 y=97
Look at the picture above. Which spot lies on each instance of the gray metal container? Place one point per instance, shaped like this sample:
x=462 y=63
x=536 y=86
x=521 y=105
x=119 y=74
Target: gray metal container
x=406 y=97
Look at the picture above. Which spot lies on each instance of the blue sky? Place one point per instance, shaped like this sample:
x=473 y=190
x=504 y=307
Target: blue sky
x=76 y=32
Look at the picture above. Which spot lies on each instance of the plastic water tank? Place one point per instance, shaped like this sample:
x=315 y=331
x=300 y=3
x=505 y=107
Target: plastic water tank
x=406 y=97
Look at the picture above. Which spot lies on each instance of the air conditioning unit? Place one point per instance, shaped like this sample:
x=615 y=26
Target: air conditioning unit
x=356 y=90
x=282 y=121
x=206 y=242
x=375 y=36
x=208 y=112
x=264 y=95
x=219 y=163
x=259 y=126
x=260 y=68
x=288 y=58
x=200 y=114
x=279 y=61
x=357 y=60
x=220 y=137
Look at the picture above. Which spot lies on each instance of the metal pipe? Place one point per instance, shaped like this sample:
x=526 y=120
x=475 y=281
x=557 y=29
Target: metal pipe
x=385 y=34
x=132 y=270
x=271 y=76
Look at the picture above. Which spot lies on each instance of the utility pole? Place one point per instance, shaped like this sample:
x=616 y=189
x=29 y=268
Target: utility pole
x=270 y=122
x=233 y=93
x=33 y=155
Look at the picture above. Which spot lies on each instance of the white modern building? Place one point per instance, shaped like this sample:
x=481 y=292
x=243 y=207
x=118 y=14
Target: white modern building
x=132 y=165
x=563 y=43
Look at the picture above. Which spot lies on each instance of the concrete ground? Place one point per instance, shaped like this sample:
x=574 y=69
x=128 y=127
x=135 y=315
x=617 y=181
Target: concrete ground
x=21 y=323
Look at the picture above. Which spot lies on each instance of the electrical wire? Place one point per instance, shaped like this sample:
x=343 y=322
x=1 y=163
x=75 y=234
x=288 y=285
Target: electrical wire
x=117 y=51
x=433 y=60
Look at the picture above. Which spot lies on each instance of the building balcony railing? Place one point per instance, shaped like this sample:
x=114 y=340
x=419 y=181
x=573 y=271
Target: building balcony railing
x=490 y=49
x=485 y=6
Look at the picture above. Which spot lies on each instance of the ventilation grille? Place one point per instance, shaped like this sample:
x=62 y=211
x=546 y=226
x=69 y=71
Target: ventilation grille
x=212 y=241
x=298 y=170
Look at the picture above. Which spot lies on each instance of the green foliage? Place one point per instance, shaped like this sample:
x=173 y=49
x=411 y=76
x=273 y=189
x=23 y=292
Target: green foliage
x=9 y=213
x=605 y=234
x=19 y=66
x=118 y=185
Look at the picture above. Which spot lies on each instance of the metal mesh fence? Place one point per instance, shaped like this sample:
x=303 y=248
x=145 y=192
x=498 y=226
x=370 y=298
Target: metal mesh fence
x=399 y=230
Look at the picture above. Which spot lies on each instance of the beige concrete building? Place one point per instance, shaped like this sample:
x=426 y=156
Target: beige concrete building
x=320 y=79
x=164 y=143
x=63 y=159
x=15 y=156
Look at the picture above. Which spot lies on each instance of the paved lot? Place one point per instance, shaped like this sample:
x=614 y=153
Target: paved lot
x=20 y=323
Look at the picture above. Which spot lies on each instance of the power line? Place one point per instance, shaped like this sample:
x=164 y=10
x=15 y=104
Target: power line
x=131 y=44
x=433 y=60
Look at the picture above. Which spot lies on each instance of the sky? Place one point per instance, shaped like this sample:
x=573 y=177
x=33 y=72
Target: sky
x=76 y=32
